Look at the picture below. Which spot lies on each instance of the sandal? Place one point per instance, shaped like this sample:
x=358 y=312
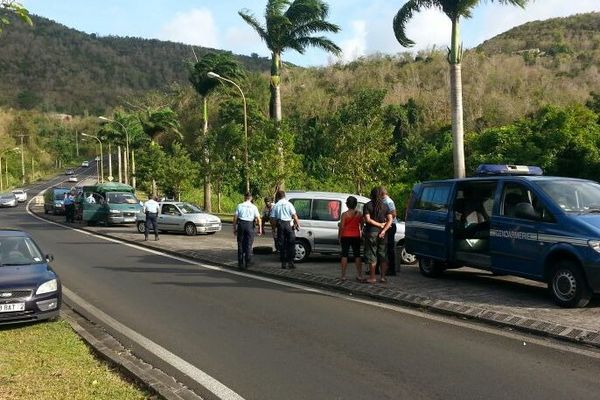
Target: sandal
x=343 y=279
x=383 y=280
x=371 y=281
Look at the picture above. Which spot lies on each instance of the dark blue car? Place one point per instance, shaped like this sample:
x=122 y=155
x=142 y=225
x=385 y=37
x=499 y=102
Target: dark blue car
x=29 y=289
x=511 y=220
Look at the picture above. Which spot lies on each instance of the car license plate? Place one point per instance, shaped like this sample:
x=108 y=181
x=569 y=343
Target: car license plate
x=12 y=307
x=129 y=219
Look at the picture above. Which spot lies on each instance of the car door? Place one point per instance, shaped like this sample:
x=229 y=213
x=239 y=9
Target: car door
x=514 y=239
x=92 y=211
x=168 y=217
x=325 y=217
x=427 y=222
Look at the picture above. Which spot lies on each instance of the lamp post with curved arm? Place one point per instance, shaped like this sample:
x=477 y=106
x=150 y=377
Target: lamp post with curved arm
x=6 y=168
x=101 y=177
x=247 y=169
x=126 y=146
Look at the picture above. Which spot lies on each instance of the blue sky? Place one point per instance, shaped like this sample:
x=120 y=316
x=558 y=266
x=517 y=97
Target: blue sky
x=366 y=25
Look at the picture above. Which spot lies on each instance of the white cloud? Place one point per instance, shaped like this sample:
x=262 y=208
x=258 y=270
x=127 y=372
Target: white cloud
x=356 y=46
x=195 y=27
x=428 y=28
x=243 y=39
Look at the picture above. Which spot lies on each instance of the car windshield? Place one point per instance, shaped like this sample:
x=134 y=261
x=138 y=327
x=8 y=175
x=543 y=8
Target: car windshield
x=60 y=195
x=121 y=198
x=188 y=208
x=574 y=196
x=18 y=250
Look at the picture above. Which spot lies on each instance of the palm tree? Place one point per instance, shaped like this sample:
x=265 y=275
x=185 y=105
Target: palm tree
x=290 y=25
x=222 y=64
x=13 y=7
x=454 y=9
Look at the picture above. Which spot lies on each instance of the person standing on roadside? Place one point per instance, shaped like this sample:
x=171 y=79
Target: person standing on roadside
x=349 y=233
x=151 y=210
x=286 y=219
x=246 y=217
x=69 y=203
x=391 y=233
x=378 y=220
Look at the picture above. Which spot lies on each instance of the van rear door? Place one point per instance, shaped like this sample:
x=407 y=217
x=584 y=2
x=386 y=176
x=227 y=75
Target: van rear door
x=427 y=220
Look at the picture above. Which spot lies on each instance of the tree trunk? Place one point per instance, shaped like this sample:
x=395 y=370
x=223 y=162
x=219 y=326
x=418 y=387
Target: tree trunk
x=275 y=110
x=207 y=187
x=219 y=195
x=454 y=58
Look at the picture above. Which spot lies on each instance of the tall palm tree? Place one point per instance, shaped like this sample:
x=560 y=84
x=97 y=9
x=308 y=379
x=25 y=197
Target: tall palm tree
x=290 y=24
x=222 y=64
x=454 y=9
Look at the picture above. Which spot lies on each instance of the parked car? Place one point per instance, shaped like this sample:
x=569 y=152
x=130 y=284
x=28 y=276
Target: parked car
x=21 y=195
x=511 y=220
x=69 y=172
x=8 y=199
x=182 y=217
x=72 y=178
x=54 y=200
x=85 y=164
x=29 y=289
x=319 y=214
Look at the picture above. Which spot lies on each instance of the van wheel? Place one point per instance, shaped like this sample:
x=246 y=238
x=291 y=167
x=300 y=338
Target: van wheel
x=406 y=258
x=430 y=268
x=568 y=285
x=302 y=250
x=190 y=229
x=141 y=226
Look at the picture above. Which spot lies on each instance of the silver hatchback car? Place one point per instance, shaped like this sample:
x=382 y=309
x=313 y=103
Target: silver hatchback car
x=182 y=217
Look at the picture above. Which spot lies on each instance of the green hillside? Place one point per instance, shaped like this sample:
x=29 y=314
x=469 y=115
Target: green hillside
x=52 y=67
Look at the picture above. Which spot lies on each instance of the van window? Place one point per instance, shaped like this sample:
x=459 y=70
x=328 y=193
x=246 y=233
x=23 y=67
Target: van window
x=434 y=198
x=326 y=210
x=302 y=207
x=515 y=193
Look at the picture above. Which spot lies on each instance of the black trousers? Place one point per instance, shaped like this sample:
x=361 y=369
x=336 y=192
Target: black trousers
x=151 y=224
x=287 y=242
x=70 y=212
x=245 y=238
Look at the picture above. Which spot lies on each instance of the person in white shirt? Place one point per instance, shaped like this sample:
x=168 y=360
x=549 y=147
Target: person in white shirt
x=246 y=217
x=284 y=215
x=90 y=199
x=151 y=211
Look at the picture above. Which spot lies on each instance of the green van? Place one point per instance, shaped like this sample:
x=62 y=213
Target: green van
x=109 y=203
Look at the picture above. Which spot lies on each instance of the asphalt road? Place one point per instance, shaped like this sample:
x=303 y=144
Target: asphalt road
x=268 y=341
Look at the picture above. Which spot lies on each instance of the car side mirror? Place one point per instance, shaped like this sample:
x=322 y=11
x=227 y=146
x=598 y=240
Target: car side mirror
x=49 y=258
x=526 y=211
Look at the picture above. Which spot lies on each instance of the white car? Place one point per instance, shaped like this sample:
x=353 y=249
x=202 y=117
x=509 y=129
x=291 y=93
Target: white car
x=20 y=194
x=8 y=199
x=72 y=178
x=182 y=217
x=85 y=164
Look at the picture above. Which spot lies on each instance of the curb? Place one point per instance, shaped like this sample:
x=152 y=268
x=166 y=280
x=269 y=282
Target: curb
x=519 y=323
x=112 y=351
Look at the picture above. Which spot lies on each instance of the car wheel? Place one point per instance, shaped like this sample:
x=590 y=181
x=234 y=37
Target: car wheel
x=190 y=229
x=406 y=258
x=430 y=268
x=302 y=250
x=141 y=226
x=568 y=285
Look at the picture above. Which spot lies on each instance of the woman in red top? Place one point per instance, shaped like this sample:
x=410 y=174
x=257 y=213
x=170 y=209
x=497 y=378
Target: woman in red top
x=349 y=233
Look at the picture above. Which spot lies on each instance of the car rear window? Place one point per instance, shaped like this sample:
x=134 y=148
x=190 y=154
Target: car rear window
x=434 y=198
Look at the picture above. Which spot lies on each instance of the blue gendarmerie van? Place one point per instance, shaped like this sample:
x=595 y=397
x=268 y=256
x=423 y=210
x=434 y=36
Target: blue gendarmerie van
x=511 y=220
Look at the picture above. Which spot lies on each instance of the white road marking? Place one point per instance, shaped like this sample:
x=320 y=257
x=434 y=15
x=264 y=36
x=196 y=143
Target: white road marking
x=207 y=381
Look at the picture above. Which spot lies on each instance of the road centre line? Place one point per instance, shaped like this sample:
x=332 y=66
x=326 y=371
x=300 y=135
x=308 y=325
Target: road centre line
x=396 y=308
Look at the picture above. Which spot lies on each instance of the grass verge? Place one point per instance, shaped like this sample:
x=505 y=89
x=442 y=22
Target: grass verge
x=49 y=361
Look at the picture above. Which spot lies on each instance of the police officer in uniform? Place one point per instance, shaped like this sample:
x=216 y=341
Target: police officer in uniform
x=246 y=217
x=151 y=211
x=286 y=219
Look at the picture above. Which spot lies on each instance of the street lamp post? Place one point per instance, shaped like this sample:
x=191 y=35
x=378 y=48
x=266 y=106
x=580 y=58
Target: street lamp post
x=101 y=179
x=247 y=169
x=126 y=163
x=6 y=167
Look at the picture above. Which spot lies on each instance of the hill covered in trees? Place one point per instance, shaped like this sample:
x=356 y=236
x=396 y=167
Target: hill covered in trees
x=49 y=66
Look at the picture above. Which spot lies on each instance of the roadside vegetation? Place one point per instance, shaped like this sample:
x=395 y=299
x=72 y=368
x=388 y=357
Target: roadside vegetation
x=49 y=361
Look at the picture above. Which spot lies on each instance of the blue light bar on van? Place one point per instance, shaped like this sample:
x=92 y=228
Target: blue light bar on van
x=505 y=169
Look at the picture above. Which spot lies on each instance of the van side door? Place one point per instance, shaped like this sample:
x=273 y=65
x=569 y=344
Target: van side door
x=427 y=222
x=325 y=218
x=92 y=210
x=303 y=208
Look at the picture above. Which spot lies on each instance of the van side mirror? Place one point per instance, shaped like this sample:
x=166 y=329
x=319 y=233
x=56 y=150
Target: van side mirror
x=526 y=211
x=49 y=258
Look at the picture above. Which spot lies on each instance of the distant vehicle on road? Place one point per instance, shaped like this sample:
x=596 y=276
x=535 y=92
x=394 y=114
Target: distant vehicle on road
x=72 y=178
x=20 y=194
x=69 y=172
x=182 y=217
x=85 y=164
x=8 y=199
x=54 y=200
x=108 y=203
x=29 y=289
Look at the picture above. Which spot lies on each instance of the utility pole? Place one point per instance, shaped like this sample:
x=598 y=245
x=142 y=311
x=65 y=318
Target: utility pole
x=22 y=159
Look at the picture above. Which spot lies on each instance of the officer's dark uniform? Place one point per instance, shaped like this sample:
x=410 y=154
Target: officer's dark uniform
x=246 y=214
x=151 y=210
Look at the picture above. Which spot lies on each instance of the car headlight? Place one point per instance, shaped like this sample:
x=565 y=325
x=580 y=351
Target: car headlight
x=594 y=244
x=114 y=211
x=47 y=287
